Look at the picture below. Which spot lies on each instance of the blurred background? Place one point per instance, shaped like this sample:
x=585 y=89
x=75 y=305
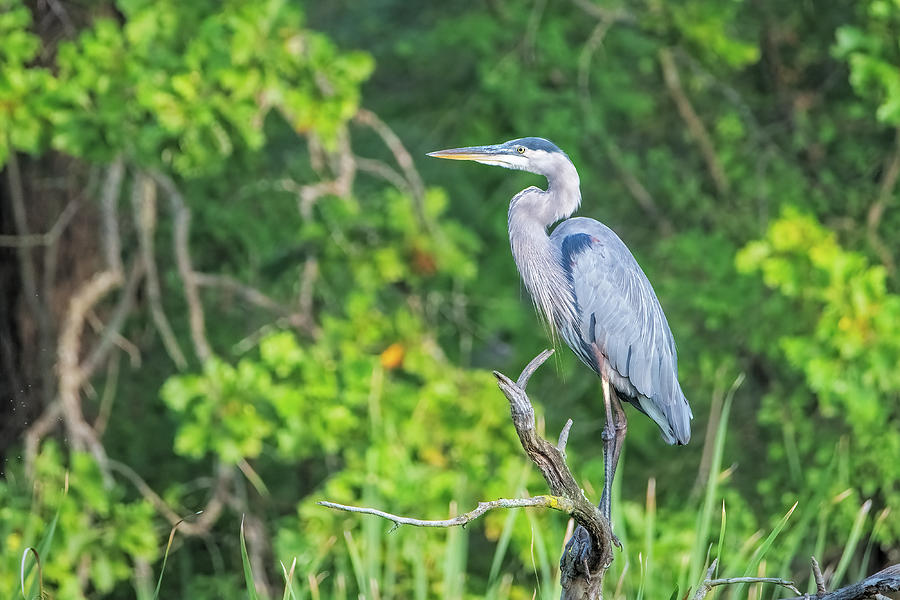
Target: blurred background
x=231 y=282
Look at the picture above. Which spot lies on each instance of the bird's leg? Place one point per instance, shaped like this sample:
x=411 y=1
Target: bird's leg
x=609 y=452
x=621 y=428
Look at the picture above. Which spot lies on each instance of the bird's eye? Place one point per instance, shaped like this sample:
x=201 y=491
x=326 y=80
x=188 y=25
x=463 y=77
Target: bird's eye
x=521 y=149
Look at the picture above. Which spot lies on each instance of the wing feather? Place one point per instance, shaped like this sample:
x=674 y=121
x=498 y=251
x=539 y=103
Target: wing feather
x=620 y=315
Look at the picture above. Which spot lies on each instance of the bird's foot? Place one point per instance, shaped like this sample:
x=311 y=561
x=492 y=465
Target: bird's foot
x=614 y=539
x=576 y=555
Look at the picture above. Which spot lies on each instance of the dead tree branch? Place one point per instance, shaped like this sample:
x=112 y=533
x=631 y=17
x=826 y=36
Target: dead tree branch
x=143 y=204
x=635 y=187
x=692 y=120
x=876 y=210
x=587 y=558
x=709 y=583
x=401 y=156
x=553 y=502
x=586 y=561
x=182 y=217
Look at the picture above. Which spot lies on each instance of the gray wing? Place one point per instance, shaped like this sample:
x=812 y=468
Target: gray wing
x=620 y=316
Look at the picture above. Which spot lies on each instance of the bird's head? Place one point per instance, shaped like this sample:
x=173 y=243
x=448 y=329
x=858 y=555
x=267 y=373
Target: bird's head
x=532 y=154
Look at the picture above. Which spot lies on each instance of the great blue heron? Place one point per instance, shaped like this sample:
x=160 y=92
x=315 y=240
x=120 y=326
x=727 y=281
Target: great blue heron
x=589 y=289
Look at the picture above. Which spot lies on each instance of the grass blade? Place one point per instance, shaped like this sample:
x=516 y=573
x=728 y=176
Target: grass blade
x=763 y=549
x=23 y=575
x=721 y=539
x=704 y=519
x=356 y=562
x=289 y=581
x=852 y=541
x=162 y=569
x=248 y=572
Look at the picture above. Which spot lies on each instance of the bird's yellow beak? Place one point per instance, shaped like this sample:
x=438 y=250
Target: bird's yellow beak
x=488 y=155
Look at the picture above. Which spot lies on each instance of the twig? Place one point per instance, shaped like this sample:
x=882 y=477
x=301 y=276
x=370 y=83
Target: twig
x=255 y=297
x=182 y=217
x=40 y=311
x=208 y=515
x=817 y=575
x=384 y=171
x=876 y=210
x=401 y=155
x=554 y=502
x=692 y=120
x=564 y=437
x=885 y=581
x=108 y=396
x=115 y=323
x=109 y=199
x=708 y=583
x=634 y=186
x=36 y=432
x=143 y=204
x=31 y=240
x=70 y=373
x=344 y=166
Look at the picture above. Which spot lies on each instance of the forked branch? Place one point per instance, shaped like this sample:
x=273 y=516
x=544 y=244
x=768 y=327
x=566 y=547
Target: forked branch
x=587 y=559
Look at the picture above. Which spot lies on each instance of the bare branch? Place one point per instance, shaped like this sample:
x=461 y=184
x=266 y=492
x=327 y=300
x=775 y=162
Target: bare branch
x=208 y=515
x=115 y=323
x=344 y=166
x=817 y=575
x=32 y=297
x=555 y=502
x=182 y=217
x=876 y=210
x=564 y=437
x=634 y=186
x=71 y=375
x=143 y=204
x=886 y=581
x=384 y=171
x=708 y=583
x=38 y=430
x=589 y=553
x=255 y=297
x=529 y=370
x=401 y=155
x=692 y=120
x=109 y=199
x=29 y=240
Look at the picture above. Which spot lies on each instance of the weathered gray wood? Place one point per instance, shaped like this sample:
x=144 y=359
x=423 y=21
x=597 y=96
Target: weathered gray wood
x=586 y=560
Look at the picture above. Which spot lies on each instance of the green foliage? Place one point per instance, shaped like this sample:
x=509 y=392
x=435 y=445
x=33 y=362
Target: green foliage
x=848 y=354
x=99 y=533
x=176 y=88
x=384 y=397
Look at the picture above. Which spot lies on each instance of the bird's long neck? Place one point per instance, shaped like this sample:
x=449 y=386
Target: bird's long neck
x=531 y=211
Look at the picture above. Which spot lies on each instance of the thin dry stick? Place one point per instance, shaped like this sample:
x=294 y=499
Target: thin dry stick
x=30 y=240
x=182 y=217
x=207 y=516
x=692 y=120
x=71 y=375
x=886 y=581
x=254 y=296
x=817 y=575
x=555 y=502
x=876 y=210
x=634 y=186
x=401 y=155
x=109 y=200
x=143 y=204
x=709 y=583
x=35 y=302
